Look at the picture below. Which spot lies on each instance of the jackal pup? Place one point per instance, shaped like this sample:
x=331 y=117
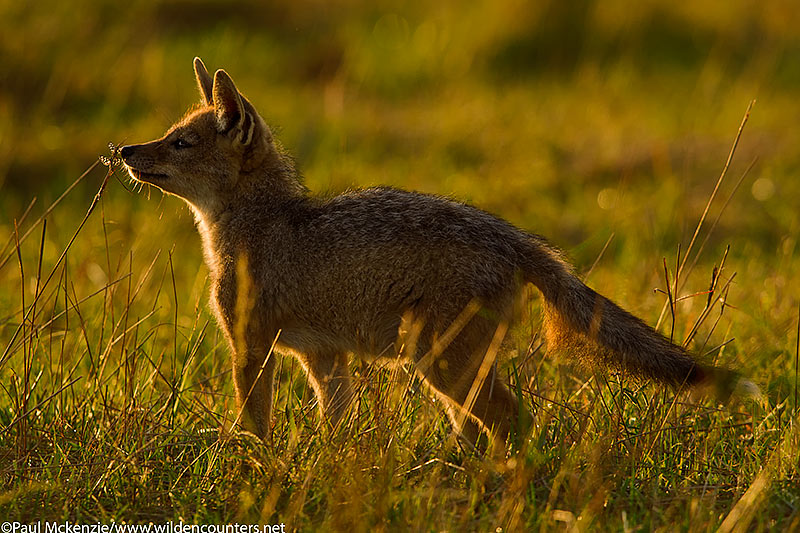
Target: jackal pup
x=379 y=272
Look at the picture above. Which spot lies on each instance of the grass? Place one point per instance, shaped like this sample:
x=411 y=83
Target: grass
x=604 y=128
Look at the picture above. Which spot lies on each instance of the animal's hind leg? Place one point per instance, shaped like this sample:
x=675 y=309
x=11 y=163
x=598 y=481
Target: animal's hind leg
x=330 y=378
x=498 y=410
x=454 y=374
x=467 y=428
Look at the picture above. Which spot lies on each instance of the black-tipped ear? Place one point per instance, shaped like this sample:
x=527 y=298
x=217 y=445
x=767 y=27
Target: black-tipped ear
x=248 y=128
x=204 y=82
x=227 y=102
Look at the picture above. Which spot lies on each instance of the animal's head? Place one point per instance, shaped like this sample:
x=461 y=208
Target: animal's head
x=213 y=152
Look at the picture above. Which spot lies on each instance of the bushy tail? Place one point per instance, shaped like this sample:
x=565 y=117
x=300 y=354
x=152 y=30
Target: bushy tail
x=593 y=330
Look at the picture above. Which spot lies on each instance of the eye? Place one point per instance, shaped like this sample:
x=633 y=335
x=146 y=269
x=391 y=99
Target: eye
x=180 y=144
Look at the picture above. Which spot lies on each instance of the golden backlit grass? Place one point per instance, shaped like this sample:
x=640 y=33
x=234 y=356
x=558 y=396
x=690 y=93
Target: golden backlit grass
x=603 y=126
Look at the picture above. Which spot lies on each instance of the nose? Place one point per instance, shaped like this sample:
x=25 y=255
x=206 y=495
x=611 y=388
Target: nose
x=126 y=151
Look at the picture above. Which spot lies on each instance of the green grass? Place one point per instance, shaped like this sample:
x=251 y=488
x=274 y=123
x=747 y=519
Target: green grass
x=601 y=124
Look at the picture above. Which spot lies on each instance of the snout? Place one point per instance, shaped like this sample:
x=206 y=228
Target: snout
x=140 y=162
x=127 y=152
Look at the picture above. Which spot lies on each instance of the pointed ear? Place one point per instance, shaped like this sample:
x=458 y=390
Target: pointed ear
x=227 y=102
x=235 y=116
x=204 y=82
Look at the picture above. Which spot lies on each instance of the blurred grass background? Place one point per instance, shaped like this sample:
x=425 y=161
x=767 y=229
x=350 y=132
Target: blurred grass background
x=575 y=120
x=581 y=120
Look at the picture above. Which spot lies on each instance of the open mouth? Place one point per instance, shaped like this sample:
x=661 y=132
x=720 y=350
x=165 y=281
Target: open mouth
x=145 y=176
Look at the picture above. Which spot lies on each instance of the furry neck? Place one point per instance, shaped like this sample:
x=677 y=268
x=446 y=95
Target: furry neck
x=215 y=225
x=209 y=231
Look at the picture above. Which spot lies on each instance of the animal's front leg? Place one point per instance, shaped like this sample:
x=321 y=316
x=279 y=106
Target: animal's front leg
x=252 y=378
x=330 y=378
